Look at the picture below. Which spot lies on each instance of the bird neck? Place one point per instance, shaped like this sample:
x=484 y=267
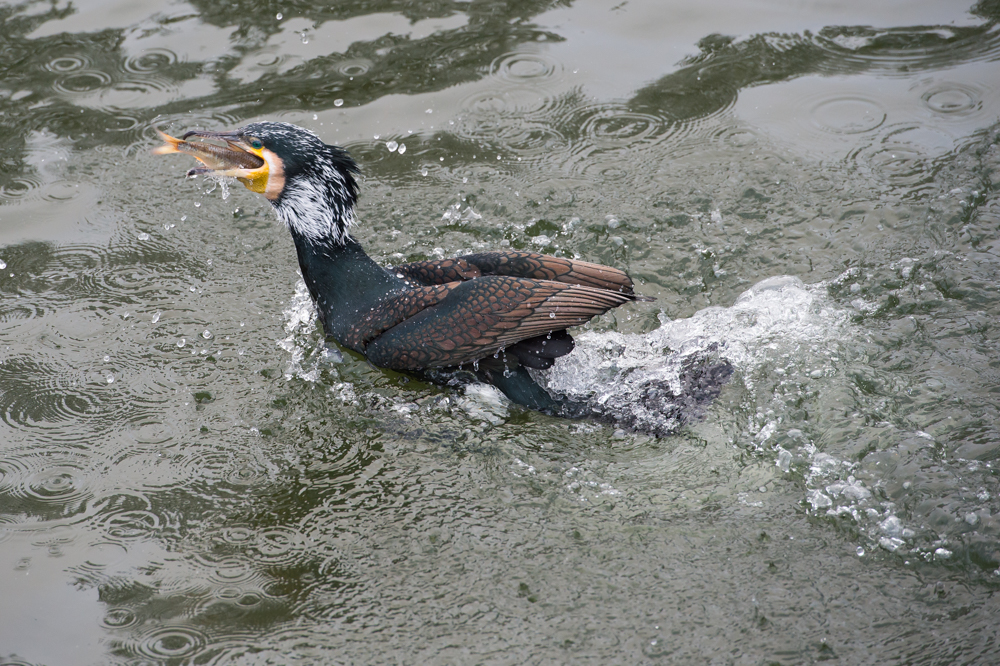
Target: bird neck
x=343 y=281
x=319 y=206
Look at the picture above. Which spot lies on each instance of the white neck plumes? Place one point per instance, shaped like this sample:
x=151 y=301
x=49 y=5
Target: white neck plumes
x=317 y=206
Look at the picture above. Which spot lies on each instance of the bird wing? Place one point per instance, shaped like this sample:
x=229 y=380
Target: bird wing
x=517 y=264
x=393 y=310
x=437 y=271
x=546 y=267
x=479 y=317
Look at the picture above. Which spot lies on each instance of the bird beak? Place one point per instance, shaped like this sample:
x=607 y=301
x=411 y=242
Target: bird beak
x=237 y=159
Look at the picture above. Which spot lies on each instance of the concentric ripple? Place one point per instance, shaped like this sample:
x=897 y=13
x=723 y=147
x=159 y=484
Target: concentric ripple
x=508 y=102
x=524 y=67
x=44 y=396
x=19 y=187
x=61 y=484
x=608 y=127
x=50 y=487
x=279 y=545
x=953 y=99
x=354 y=66
x=119 y=618
x=149 y=60
x=175 y=643
x=82 y=82
x=131 y=525
x=67 y=63
x=846 y=114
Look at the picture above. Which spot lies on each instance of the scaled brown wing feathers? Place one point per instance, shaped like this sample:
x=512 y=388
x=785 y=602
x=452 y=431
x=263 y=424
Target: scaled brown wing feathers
x=392 y=311
x=479 y=317
x=518 y=264
x=438 y=271
x=546 y=267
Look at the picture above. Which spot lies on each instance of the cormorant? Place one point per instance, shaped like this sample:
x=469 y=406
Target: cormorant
x=496 y=313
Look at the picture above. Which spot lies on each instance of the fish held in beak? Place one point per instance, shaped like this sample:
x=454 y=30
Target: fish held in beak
x=236 y=159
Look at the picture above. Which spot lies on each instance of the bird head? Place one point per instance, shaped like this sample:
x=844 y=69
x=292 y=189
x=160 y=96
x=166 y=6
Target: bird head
x=310 y=184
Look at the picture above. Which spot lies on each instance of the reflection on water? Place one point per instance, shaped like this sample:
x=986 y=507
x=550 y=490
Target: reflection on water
x=189 y=473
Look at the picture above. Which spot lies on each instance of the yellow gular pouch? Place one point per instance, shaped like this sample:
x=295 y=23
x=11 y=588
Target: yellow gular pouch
x=256 y=183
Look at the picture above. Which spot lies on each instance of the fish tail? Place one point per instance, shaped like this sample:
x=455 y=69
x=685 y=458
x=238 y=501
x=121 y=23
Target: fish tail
x=170 y=146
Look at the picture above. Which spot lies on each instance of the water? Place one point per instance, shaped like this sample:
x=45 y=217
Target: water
x=189 y=473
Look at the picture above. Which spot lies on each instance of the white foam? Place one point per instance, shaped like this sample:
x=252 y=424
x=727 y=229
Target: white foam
x=307 y=355
x=614 y=371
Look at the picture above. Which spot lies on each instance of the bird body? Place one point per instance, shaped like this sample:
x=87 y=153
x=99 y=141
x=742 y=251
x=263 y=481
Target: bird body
x=498 y=312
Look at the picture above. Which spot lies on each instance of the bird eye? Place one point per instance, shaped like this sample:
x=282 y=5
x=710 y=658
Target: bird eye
x=256 y=144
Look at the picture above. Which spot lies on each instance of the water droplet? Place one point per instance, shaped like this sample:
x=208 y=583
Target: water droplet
x=402 y=148
x=279 y=16
x=860 y=551
x=143 y=237
x=784 y=461
x=340 y=102
x=111 y=379
x=207 y=334
x=197 y=204
x=182 y=342
x=155 y=318
x=3 y=264
x=423 y=172
x=552 y=315
x=392 y=146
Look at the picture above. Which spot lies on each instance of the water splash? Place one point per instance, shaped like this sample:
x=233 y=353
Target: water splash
x=307 y=355
x=658 y=381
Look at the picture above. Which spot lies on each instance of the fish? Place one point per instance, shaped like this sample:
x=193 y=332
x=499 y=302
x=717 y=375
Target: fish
x=216 y=158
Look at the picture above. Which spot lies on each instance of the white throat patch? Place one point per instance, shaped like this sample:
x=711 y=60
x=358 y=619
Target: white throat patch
x=311 y=208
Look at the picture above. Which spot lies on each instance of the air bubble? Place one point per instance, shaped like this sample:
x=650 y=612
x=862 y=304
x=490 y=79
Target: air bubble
x=338 y=102
x=860 y=551
x=392 y=146
x=207 y=334
x=402 y=148
x=279 y=16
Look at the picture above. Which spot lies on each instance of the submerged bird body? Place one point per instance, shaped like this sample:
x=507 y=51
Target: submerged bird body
x=496 y=312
